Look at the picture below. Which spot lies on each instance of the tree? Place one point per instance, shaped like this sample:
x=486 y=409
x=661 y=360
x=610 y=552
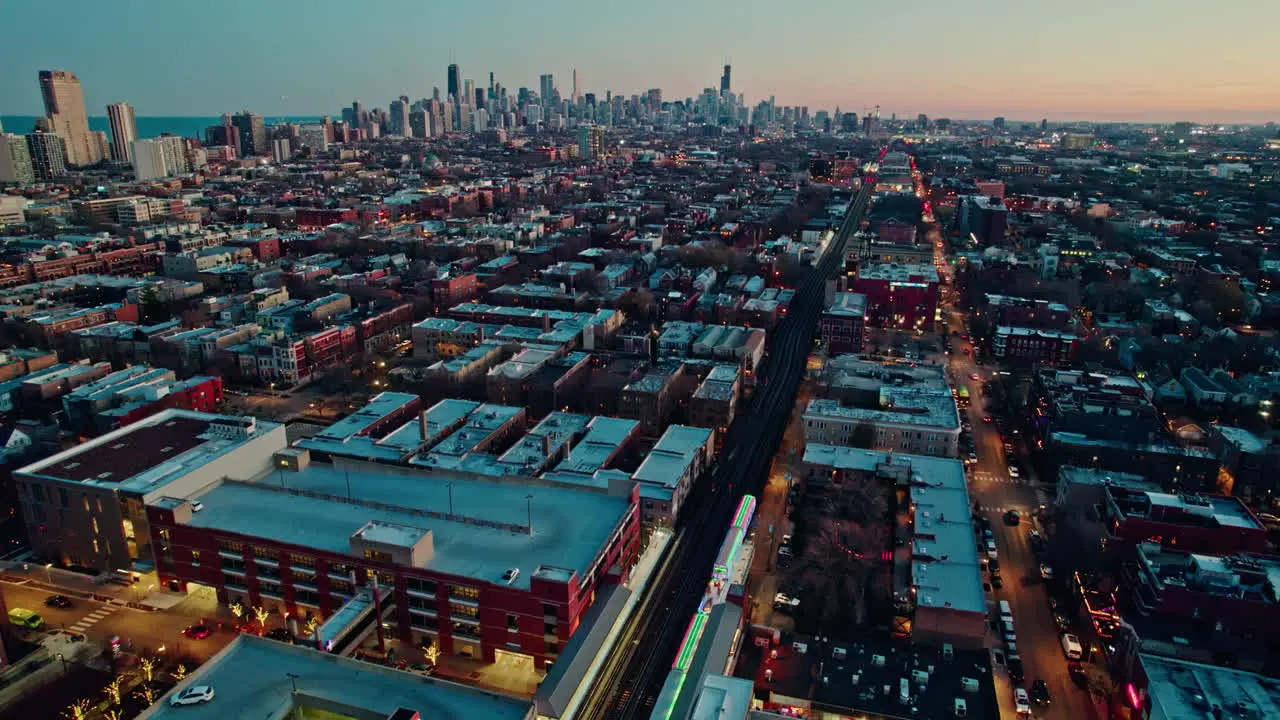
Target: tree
x=113 y=690
x=77 y=710
x=834 y=572
x=432 y=653
x=151 y=308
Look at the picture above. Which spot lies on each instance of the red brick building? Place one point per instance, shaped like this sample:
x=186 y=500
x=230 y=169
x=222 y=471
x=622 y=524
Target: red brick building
x=842 y=323
x=1035 y=344
x=1211 y=524
x=313 y=218
x=904 y=296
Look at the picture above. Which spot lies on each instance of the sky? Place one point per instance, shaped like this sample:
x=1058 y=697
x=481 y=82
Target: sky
x=1106 y=60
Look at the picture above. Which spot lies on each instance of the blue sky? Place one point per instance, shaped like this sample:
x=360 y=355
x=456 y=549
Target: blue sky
x=1026 y=59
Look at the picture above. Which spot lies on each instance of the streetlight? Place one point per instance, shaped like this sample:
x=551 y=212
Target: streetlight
x=62 y=660
x=48 y=573
x=293 y=681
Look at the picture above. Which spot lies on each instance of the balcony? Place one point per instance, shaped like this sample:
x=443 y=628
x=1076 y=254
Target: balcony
x=467 y=635
x=230 y=555
x=235 y=587
x=233 y=571
x=305 y=584
x=464 y=601
x=269 y=562
x=273 y=594
x=420 y=594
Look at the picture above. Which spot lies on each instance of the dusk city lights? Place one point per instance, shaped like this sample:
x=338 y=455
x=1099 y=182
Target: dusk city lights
x=695 y=360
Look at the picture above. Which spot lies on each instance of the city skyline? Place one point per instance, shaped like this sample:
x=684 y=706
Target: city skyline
x=998 y=59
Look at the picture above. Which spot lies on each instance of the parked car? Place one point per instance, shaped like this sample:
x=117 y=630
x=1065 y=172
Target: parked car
x=991 y=550
x=194 y=695
x=1014 y=665
x=786 y=603
x=1046 y=571
x=1014 y=472
x=57 y=601
x=1021 y=702
x=282 y=635
x=198 y=631
x=1036 y=540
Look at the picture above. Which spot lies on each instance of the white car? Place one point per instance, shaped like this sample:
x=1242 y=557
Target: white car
x=782 y=601
x=1046 y=571
x=991 y=550
x=1013 y=472
x=1021 y=701
x=194 y=695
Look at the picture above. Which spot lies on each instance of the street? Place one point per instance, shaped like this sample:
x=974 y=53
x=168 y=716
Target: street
x=99 y=621
x=994 y=492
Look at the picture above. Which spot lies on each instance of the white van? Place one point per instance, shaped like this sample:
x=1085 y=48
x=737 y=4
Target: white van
x=1006 y=611
x=1071 y=647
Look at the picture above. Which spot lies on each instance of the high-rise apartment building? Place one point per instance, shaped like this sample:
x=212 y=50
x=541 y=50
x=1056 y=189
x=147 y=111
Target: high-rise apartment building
x=160 y=157
x=48 y=155
x=252 y=130
x=455 y=81
x=314 y=136
x=15 y=160
x=590 y=141
x=124 y=130
x=64 y=107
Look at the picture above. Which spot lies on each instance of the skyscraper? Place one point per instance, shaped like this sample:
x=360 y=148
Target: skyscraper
x=455 y=81
x=48 y=158
x=400 y=117
x=575 y=86
x=546 y=86
x=148 y=160
x=124 y=130
x=252 y=131
x=724 y=81
x=15 y=160
x=64 y=106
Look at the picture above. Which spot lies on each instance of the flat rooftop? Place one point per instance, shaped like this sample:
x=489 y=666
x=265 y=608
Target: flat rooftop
x=532 y=451
x=718 y=385
x=604 y=436
x=675 y=451
x=481 y=423
x=251 y=679
x=1181 y=689
x=945 y=569
x=1185 y=509
x=903 y=406
x=569 y=526
x=146 y=455
x=371 y=413
x=848 y=305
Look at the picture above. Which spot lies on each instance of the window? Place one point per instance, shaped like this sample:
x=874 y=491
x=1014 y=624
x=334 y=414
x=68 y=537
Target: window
x=62 y=497
x=378 y=556
x=233 y=581
x=267 y=571
x=553 y=647
x=195 y=558
x=513 y=623
x=270 y=588
x=463 y=610
x=463 y=592
x=86 y=503
x=420 y=585
x=549 y=628
x=340 y=569
x=231 y=547
x=306 y=597
x=550 y=610
x=420 y=603
x=465 y=628
x=424 y=622
x=164 y=533
x=232 y=564
x=297 y=561
x=342 y=587
x=262 y=553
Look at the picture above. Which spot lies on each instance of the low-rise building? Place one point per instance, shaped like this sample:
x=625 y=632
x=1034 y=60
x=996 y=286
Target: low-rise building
x=86 y=506
x=842 y=323
x=715 y=402
x=671 y=468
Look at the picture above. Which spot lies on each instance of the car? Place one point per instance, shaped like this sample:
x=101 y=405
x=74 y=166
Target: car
x=1036 y=539
x=994 y=565
x=1046 y=571
x=973 y=457
x=193 y=695
x=1008 y=449
x=785 y=602
x=57 y=601
x=1014 y=472
x=1012 y=518
x=1021 y=702
x=1015 y=669
x=1040 y=692
x=421 y=668
x=991 y=550
x=786 y=541
x=975 y=376
x=1062 y=623
x=987 y=419
x=281 y=634
x=510 y=575
x=198 y=631
x=996 y=582
x=1078 y=675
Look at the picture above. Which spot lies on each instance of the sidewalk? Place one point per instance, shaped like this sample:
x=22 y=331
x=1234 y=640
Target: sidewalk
x=73 y=584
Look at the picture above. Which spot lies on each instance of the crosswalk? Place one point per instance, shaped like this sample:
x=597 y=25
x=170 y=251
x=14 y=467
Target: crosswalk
x=986 y=476
x=93 y=618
